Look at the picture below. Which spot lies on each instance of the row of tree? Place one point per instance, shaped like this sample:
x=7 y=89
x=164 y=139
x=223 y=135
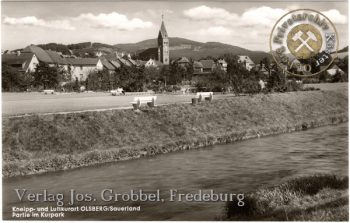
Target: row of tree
x=135 y=79
x=169 y=78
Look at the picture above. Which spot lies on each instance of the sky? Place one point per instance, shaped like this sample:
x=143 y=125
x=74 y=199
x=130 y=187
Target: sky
x=245 y=24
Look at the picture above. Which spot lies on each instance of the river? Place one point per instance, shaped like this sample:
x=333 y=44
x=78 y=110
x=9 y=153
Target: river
x=236 y=168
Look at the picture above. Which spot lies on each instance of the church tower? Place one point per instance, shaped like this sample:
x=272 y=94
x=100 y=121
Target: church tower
x=163 y=45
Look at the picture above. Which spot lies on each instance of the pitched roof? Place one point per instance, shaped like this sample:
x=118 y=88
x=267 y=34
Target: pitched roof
x=83 y=61
x=41 y=54
x=207 y=64
x=16 y=59
x=46 y=56
x=115 y=63
x=107 y=64
x=125 y=62
x=163 y=31
x=140 y=62
x=183 y=60
x=55 y=57
x=133 y=62
x=13 y=59
x=197 y=64
x=246 y=59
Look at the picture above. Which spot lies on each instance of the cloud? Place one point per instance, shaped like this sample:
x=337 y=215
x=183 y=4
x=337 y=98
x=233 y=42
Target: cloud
x=209 y=13
x=251 y=26
x=264 y=15
x=253 y=16
x=216 y=31
x=261 y=16
x=34 y=21
x=154 y=13
x=335 y=16
x=113 y=20
x=102 y=20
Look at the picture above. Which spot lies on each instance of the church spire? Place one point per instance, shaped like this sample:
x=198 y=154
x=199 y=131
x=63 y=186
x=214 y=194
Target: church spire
x=162 y=30
x=163 y=44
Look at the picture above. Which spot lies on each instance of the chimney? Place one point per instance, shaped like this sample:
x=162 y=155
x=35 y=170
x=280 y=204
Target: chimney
x=129 y=56
x=18 y=52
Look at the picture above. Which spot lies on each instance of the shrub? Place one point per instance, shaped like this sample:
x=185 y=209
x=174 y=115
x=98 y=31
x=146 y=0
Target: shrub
x=291 y=198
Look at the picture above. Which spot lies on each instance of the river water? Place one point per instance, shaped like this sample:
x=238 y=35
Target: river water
x=233 y=168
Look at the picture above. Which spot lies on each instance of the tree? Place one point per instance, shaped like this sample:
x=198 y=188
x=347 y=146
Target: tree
x=100 y=80
x=322 y=77
x=164 y=75
x=177 y=74
x=236 y=73
x=14 y=80
x=266 y=62
x=76 y=85
x=215 y=81
x=47 y=77
x=337 y=77
x=276 y=80
x=152 y=79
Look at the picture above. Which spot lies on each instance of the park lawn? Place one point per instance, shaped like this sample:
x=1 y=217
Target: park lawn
x=42 y=143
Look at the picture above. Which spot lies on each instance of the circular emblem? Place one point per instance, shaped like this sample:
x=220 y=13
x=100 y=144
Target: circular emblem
x=304 y=42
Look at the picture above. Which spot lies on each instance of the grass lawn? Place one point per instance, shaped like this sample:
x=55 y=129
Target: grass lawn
x=331 y=86
x=309 y=198
x=24 y=103
x=35 y=144
x=35 y=103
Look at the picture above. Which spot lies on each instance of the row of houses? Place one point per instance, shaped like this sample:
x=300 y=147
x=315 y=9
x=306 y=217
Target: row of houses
x=208 y=66
x=202 y=66
x=27 y=59
x=79 y=68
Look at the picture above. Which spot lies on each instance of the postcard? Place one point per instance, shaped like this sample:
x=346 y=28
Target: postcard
x=175 y=110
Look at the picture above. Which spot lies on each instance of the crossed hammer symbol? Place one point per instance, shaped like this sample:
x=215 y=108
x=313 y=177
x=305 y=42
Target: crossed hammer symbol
x=297 y=36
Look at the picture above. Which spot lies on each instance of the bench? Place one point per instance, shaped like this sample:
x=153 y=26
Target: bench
x=204 y=95
x=49 y=91
x=138 y=101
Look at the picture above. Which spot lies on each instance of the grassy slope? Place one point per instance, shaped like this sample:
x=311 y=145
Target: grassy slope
x=315 y=198
x=37 y=144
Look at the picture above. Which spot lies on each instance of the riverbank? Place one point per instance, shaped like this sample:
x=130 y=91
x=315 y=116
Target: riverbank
x=314 y=198
x=37 y=144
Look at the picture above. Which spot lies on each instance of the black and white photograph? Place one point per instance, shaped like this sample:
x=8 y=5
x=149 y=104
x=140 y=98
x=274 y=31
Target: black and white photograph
x=164 y=110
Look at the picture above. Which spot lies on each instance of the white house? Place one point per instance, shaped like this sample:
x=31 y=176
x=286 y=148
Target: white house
x=52 y=58
x=153 y=63
x=24 y=62
x=246 y=61
x=222 y=64
x=333 y=70
x=80 y=68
